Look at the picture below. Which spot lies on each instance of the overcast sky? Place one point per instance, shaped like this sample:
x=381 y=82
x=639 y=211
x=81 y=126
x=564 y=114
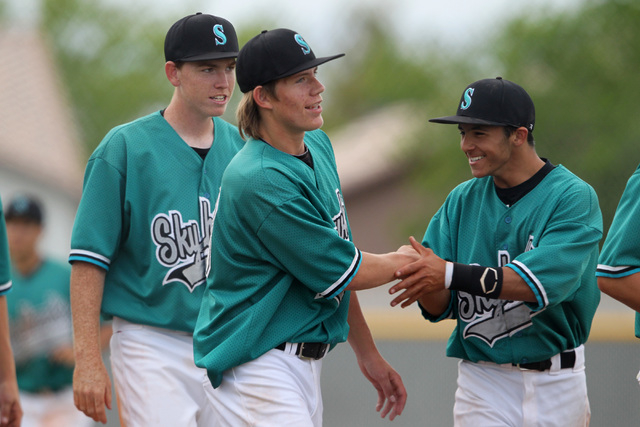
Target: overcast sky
x=448 y=20
x=320 y=21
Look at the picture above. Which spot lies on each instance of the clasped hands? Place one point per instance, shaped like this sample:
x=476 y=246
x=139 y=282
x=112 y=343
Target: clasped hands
x=424 y=276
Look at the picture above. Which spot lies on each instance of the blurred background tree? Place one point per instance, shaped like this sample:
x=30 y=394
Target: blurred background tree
x=111 y=59
x=581 y=71
x=578 y=65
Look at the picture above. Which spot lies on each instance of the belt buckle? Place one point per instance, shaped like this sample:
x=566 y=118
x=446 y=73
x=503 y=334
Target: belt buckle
x=540 y=366
x=522 y=368
x=314 y=351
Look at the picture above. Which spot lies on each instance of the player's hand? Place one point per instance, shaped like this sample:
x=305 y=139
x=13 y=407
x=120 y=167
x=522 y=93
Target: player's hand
x=92 y=389
x=410 y=252
x=419 y=278
x=392 y=394
x=10 y=410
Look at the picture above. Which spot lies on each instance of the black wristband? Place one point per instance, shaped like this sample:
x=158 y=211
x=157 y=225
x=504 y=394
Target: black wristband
x=477 y=280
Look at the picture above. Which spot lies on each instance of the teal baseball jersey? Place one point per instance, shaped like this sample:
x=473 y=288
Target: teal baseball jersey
x=620 y=255
x=5 y=266
x=145 y=216
x=281 y=259
x=40 y=322
x=550 y=238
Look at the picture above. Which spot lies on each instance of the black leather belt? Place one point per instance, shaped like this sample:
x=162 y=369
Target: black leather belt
x=567 y=360
x=308 y=350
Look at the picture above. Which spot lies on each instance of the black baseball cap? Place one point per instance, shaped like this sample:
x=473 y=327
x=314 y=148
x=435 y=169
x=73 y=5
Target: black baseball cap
x=272 y=55
x=200 y=37
x=24 y=207
x=494 y=102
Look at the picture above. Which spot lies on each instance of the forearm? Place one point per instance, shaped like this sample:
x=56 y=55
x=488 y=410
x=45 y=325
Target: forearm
x=7 y=365
x=514 y=288
x=624 y=289
x=430 y=280
x=436 y=303
x=360 y=338
x=491 y=282
x=377 y=269
x=392 y=395
x=87 y=286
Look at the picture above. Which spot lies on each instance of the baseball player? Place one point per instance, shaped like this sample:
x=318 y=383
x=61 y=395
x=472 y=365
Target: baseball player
x=283 y=264
x=10 y=409
x=142 y=236
x=511 y=256
x=40 y=322
x=619 y=262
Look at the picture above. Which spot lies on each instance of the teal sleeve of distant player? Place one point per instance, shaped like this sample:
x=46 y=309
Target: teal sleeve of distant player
x=620 y=255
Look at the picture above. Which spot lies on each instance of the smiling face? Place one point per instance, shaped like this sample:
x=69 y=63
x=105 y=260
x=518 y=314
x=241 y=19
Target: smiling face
x=297 y=103
x=489 y=152
x=206 y=86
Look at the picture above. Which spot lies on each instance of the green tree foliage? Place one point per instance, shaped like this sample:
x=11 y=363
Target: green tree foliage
x=111 y=57
x=581 y=70
x=579 y=66
x=111 y=61
x=380 y=70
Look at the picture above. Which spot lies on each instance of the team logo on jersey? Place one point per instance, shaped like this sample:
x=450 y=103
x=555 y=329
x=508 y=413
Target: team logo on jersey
x=218 y=31
x=491 y=319
x=466 y=102
x=182 y=246
x=340 y=220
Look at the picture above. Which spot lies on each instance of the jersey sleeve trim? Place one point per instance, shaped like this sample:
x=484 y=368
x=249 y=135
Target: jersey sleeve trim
x=616 y=272
x=4 y=287
x=447 y=314
x=337 y=287
x=90 y=257
x=532 y=281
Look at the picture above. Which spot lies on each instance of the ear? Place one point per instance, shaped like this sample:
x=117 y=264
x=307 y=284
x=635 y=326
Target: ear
x=171 y=70
x=520 y=136
x=262 y=98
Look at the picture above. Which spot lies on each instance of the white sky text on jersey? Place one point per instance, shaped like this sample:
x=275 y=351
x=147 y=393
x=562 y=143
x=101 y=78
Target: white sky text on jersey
x=341 y=226
x=340 y=220
x=491 y=319
x=183 y=246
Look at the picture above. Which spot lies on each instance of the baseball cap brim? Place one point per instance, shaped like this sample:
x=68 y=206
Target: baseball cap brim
x=465 y=120
x=307 y=65
x=209 y=56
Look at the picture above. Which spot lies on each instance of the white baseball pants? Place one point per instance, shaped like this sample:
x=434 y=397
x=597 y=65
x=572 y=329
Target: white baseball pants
x=275 y=390
x=156 y=379
x=489 y=394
